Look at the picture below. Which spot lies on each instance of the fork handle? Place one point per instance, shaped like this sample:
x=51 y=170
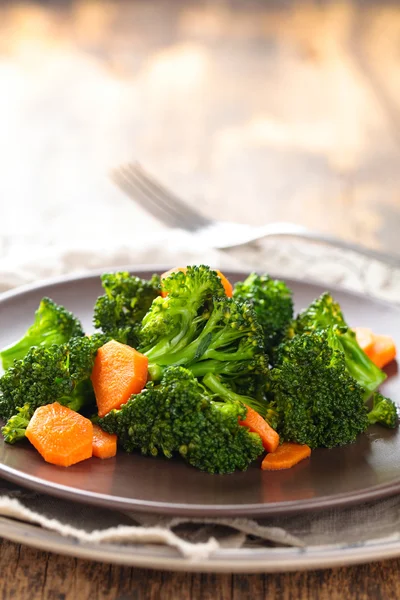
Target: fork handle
x=293 y=230
x=303 y=232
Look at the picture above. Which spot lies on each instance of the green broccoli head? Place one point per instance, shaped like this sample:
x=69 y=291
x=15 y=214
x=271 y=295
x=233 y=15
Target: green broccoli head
x=384 y=411
x=177 y=416
x=225 y=339
x=59 y=373
x=15 y=428
x=173 y=321
x=194 y=285
x=126 y=300
x=53 y=324
x=82 y=352
x=317 y=400
x=324 y=314
x=40 y=378
x=273 y=305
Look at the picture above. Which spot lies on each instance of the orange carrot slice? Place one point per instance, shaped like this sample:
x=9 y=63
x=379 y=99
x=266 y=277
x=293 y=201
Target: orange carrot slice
x=104 y=444
x=285 y=456
x=383 y=350
x=364 y=337
x=225 y=282
x=62 y=436
x=119 y=371
x=255 y=422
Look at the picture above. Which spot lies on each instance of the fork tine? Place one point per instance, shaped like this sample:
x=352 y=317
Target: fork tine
x=122 y=178
x=161 y=202
x=175 y=204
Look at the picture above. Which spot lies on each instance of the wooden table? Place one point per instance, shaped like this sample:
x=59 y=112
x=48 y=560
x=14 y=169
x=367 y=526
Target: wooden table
x=28 y=573
x=263 y=110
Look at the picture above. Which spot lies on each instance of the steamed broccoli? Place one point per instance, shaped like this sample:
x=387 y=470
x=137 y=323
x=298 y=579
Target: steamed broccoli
x=273 y=305
x=317 y=400
x=53 y=324
x=172 y=322
x=15 y=428
x=229 y=342
x=177 y=416
x=325 y=314
x=198 y=327
x=384 y=411
x=226 y=392
x=60 y=373
x=126 y=300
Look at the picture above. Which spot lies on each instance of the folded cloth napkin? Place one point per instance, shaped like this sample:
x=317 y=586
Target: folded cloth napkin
x=199 y=538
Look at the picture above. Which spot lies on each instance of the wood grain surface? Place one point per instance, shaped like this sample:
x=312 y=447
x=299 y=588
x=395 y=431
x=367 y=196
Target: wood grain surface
x=29 y=573
x=256 y=111
x=263 y=110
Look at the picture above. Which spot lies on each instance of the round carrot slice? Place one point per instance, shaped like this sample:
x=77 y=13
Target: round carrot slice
x=364 y=337
x=285 y=456
x=383 y=350
x=226 y=283
x=104 y=444
x=62 y=436
x=119 y=371
x=255 y=422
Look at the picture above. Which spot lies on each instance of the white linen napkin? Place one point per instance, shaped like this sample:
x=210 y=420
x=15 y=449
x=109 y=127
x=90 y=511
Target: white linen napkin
x=199 y=538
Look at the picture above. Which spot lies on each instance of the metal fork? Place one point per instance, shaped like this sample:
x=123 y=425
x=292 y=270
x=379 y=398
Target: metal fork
x=173 y=212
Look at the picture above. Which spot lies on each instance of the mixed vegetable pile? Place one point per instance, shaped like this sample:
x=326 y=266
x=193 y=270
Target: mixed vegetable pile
x=187 y=364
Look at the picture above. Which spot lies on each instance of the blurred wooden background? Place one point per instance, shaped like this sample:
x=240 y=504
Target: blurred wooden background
x=259 y=110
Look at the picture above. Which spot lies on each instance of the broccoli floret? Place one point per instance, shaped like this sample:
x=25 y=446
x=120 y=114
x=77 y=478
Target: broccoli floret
x=53 y=324
x=172 y=322
x=177 y=416
x=224 y=391
x=226 y=339
x=384 y=411
x=60 y=373
x=317 y=400
x=15 y=428
x=325 y=314
x=198 y=327
x=273 y=305
x=126 y=300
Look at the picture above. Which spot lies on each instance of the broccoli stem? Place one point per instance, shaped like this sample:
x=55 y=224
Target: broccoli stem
x=155 y=371
x=215 y=385
x=165 y=347
x=20 y=349
x=360 y=366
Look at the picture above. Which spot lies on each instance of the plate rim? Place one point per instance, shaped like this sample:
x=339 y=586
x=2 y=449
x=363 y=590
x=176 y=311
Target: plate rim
x=168 y=508
x=161 y=267
x=235 y=560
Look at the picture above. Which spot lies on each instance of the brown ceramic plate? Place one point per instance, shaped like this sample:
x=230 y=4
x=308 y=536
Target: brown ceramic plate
x=368 y=469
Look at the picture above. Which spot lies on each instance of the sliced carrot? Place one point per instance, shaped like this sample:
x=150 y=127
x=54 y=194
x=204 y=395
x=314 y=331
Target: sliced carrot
x=119 y=371
x=225 y=282
x=285 y=456
x=255 y=422
x=104 y=444
x=383 y=350
x=228 y=287
x=62 y=436
x=364 y=337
